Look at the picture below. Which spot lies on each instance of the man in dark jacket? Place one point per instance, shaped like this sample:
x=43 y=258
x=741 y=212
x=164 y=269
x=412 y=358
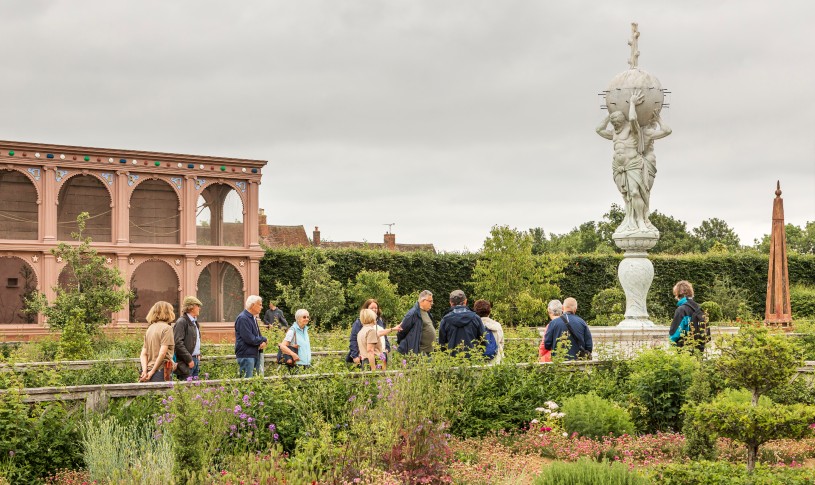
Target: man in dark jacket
x=689 y=325
x=187 y=336
x=461 y=326
x=418 y=333
x=248 y=340
x=563 y=320
x=274 y=317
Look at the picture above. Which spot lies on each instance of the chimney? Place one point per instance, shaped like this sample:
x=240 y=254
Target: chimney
x=263 y=228
x=315 y=238
x=390 y=241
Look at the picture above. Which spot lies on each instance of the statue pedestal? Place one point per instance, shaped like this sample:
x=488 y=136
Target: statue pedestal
x=636 y=272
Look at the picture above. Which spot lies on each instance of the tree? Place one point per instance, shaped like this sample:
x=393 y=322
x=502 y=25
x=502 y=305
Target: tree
x=799 y=240
x=674 y=237
x=93 y=286
x=377 y=285
x=758 y=360
x=516 y=282
x=319 y=293
x=715 y=230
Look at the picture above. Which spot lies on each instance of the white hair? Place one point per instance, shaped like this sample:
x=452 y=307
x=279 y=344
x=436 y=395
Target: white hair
x=252 y=300
x=299 y=313
x=556 y=307
x=425 y=294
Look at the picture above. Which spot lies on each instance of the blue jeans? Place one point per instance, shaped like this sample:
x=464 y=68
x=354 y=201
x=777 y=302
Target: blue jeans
x=194 y=370
x=248 y=366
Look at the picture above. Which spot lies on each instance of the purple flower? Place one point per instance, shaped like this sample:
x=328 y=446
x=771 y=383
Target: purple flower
x=246 y=399
x=237 y=409
x=243 y=416
x=11 y=452
x=276 y=437
x=272 y=427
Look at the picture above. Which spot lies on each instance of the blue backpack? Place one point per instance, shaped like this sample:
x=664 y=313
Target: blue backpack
x=492 y=345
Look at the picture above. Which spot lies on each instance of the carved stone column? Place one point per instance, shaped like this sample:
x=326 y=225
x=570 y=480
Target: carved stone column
x=636 y=273
x=48 y=223
x=251 y=217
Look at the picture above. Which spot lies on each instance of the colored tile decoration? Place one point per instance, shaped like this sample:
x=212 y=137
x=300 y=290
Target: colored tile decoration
x=223 y=168
x=61 y=175
x=37 y=155
x=110 y=160
x=122 y=160
x=201 y=167
x=190 y=165
x=241 y=185
x=176 y=181
x=131 y=179
x=11 y=153
x=157 y=164
x=50 y=155
x=108 y=177
x=199 y=183
x=62 y=157
x=180 y=165
x=254 y=170
x=135 y=162
x=35 y=172
x=243 y=170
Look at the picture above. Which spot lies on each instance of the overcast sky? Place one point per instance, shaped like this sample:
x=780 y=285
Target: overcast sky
x=444 y=117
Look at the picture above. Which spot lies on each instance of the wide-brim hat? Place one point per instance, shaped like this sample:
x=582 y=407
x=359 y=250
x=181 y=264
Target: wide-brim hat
x=191 y=300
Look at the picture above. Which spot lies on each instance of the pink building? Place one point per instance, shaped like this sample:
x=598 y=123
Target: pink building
x=174 y=225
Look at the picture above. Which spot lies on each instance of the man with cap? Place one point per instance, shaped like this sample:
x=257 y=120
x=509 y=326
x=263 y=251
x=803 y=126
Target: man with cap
x=188 y=338
x=461 y=326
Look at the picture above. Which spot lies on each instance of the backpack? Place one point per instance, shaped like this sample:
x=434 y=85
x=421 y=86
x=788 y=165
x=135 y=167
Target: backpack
x=697 y=326
x=492 y=345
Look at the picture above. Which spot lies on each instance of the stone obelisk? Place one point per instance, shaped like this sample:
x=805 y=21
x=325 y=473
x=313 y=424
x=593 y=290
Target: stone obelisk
x=778 y=310
x=634 y=100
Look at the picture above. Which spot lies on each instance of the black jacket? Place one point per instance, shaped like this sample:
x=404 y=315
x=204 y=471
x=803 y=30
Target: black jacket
x=270 y=316
x=185 y=333
x=557 y=327
x=247 y=336
x=461 y=326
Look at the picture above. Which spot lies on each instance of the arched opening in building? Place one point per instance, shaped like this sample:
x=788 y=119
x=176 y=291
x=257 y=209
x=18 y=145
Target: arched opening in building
x=219 y=217
x=154 y=216
x=220 y=289
x=151 y=282
x=19 y=214
x=18 y=282
x=84 y=193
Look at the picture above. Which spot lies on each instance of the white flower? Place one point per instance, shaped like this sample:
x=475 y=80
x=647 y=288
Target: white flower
x=540 y=410
x=565 y=434
x=558 y=415
x=551 y=404
x=534 y=421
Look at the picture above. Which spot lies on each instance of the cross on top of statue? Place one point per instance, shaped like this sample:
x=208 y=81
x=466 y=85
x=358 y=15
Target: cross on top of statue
x=635 y=53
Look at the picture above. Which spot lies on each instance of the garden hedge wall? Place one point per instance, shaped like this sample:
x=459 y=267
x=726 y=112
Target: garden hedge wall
x=584 y=275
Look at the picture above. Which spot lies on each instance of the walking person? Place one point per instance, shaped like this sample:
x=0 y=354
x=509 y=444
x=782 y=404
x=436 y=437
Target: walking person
x=159 y=343
x=418 y=333
x=689 y=325
x=297 y=343
x=248 y=340
x=187 y=336
x=483 y=308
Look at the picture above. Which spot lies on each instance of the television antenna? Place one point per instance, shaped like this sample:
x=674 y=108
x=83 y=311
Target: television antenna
x=390 y=227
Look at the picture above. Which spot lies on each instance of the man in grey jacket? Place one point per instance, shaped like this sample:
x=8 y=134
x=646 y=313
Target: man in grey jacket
x=187 y=336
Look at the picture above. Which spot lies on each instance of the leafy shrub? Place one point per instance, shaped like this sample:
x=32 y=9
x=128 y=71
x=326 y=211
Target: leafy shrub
x=732 y=299
x=724 y=473
x=377 y=285
x=114 y=451
x=713 y=311
x=589 y=472
x=610 y=300
x=802 y=301
x=592 y=416
x=607 y=320
x=75 y=343
x=658 y=384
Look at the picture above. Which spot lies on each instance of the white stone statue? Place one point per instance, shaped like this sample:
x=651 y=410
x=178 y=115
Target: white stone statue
x=634 y=100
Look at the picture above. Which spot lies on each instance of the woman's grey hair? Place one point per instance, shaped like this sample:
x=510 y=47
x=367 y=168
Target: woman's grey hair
x=425 y=294
x=300 y=313
x=556 y=307
x=252 y=300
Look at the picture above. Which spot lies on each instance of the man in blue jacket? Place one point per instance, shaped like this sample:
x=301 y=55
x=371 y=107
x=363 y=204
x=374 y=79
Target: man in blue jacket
x=461 y=326
x=565 y=321
x=248 y=340
x=418 y=333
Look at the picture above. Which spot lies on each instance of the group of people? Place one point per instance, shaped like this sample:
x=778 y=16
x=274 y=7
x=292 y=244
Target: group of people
x=173 y=346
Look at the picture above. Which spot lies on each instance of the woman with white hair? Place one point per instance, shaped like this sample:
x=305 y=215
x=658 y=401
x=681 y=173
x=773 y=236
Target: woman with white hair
x=296 y=343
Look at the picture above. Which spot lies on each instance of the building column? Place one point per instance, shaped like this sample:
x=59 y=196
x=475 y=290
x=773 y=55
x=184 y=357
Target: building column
x=190 y=203
x=122 y=317
x=253 y=278
x=48 y=204
x=251 y=217
x=49 y=275
x=121 y=213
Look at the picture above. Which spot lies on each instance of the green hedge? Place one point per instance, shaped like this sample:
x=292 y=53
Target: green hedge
x=585 y=275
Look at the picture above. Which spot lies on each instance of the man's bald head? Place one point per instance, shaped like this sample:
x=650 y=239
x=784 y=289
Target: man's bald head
x=570 y=305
